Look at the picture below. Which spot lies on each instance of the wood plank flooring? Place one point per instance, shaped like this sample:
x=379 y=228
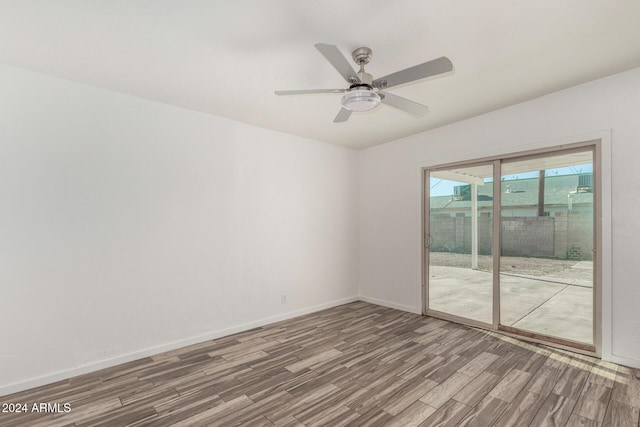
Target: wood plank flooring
x=354 y=365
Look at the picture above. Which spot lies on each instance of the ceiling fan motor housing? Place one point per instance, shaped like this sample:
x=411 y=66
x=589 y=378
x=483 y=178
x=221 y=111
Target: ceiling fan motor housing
x=361 y=96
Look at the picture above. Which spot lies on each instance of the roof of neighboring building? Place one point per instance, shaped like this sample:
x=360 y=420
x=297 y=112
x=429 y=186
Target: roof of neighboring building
x=522 y=193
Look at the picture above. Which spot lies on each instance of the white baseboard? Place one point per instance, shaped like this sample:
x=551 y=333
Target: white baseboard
x=376 y=301
x=620 y=360
x=150 y=351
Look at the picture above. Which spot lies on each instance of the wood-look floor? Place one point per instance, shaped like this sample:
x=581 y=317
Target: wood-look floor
x=357 y=364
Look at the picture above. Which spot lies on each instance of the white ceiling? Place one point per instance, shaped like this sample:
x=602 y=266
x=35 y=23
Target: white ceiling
x=226 y=57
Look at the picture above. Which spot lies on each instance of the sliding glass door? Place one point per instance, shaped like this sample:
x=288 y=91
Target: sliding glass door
x=530 y=271
x=461 y=242
x=546 y=246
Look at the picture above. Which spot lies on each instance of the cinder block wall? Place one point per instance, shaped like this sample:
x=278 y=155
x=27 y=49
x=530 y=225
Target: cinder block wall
x=567 y=235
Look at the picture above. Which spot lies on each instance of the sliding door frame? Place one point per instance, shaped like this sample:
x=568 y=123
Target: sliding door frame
x=595 y=146
x=425 y=252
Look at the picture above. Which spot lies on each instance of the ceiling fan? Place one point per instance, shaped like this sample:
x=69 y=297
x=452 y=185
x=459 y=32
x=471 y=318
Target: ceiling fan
x=364 y=93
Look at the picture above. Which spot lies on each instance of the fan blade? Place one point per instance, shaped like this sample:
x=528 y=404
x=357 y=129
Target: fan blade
x=404 y=104
x=343 y=116
x=338 y=61
x=307 y=91
x=417 y=72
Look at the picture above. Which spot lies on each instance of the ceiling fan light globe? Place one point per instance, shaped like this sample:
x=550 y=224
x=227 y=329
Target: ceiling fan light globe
x=360 y=100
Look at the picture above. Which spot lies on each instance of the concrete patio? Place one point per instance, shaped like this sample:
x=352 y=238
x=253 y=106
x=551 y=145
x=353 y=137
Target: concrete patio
x=548 y=305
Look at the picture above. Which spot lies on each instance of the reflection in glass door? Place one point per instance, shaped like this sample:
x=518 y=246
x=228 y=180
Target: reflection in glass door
x=460 y=242
x=547 y=242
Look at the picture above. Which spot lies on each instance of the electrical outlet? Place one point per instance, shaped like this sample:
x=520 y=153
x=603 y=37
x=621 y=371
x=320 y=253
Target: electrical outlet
x=283 y=299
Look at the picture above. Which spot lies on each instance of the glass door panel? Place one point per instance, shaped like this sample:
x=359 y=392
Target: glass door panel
x=460 y=280
x=547 y=238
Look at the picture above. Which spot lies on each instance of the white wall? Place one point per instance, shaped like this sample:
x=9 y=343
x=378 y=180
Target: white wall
x=390 y=192
x=128 y=227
